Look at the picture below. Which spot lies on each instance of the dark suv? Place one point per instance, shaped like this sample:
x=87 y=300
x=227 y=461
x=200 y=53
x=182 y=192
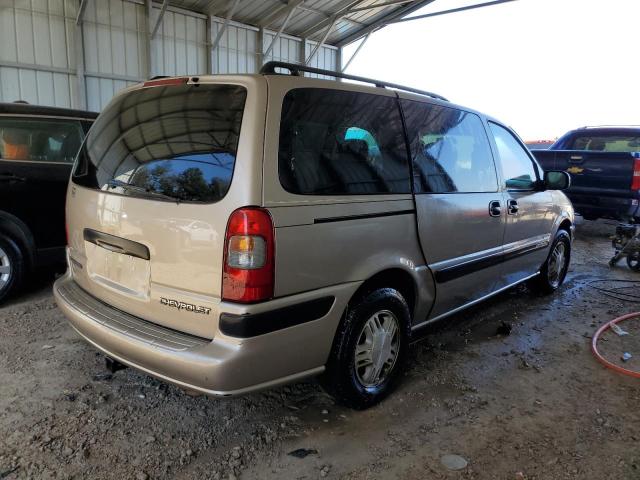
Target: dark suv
x=37 y=148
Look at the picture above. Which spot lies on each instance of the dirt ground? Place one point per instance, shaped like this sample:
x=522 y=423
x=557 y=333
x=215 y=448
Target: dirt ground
x=532 y=404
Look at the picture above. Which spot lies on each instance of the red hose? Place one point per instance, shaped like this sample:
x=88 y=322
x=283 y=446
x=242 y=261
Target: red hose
x=604 y=361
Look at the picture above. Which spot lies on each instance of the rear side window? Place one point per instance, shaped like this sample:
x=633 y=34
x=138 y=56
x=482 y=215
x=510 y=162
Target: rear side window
x=517 y=167
x=449 y=149
x=334 y=142
x=175 y=143
x=607 y=143
x=39 y=140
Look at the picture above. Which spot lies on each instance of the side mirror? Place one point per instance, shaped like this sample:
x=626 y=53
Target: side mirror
x=556 y=180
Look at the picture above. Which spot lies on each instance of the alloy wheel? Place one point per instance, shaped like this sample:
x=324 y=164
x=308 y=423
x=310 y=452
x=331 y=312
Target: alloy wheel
x=557 y=264
x=5 y=268
x=377 y=348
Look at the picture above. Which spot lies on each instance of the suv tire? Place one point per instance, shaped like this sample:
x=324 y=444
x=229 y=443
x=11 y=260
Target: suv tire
x=12 y=267
x=554 y=269
x=370 y=349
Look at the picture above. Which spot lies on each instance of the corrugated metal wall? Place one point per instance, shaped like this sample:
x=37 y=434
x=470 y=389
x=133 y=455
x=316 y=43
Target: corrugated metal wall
x=180 y=46
x=39 y=59
x=115 y=48
x=36 y=53
x=238 y=49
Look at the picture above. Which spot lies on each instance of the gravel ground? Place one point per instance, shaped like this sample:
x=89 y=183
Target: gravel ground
x=530 y=404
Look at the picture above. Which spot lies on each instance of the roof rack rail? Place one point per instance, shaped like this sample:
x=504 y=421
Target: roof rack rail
x=269 y=68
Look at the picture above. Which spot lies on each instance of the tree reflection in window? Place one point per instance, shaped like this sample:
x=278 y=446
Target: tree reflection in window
x=203 y=176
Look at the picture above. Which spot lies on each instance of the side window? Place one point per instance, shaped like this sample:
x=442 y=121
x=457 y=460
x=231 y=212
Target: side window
x=334 y=142
x=449 y=149
x=41 y=140
x=517 y=167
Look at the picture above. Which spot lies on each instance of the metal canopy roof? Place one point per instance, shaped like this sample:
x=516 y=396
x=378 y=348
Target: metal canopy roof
x=331 y=22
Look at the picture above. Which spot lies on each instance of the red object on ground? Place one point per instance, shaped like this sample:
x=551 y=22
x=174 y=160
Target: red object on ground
x=604 y=361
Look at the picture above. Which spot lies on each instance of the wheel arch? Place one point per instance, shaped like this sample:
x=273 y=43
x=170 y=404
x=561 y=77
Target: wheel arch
x=565 y=225
x=563 y=222
x=395 y=278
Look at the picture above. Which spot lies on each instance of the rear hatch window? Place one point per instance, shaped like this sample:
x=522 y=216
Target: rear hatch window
x=174 y=143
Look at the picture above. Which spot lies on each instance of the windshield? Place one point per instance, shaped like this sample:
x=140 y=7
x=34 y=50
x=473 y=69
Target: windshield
x=173 y=143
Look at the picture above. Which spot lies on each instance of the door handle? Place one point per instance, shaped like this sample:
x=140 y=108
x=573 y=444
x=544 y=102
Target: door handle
x=10 y=177
x=495 y=208
x=512 y=207
x=110 y=246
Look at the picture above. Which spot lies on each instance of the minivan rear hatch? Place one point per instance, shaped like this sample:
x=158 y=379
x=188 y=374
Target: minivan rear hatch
x=148 y=206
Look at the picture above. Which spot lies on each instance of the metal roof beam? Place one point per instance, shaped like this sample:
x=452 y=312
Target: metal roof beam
x=446 y=12
x=163 y=10
x=227 y=19
x=342 y=69
x=319 y=45
x=320 y=26
x=328 y=15
x=284 y=10
x=379 y=5
x=290 y=9
x=83 y=7
x=399 y=13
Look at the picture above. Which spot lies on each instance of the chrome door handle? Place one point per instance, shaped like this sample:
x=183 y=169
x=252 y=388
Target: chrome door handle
x=495 y=209
x=512 y=207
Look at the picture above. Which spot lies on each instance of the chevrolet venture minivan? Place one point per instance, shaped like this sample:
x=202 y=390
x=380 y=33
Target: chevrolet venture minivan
x=230 y=233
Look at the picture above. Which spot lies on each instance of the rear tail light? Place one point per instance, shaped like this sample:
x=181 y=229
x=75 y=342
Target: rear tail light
x=248 y=274
x=635 y=183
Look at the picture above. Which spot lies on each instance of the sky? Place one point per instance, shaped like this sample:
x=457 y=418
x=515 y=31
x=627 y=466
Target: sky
x=541 y=66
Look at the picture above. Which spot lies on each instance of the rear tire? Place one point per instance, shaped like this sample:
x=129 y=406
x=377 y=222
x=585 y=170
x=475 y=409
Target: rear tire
x=12 y=267
x=554 y=269
x=633 y=261
x=370 y=349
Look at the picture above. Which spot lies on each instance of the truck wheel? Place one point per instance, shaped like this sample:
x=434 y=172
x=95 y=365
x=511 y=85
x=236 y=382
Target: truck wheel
x=633 y=261
x=554 y=269
x=12 y=267
x=370 y=349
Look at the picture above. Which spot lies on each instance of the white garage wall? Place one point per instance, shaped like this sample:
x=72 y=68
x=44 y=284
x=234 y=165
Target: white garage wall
x=180 y=46
x=237 y=50
x=115 y=48
x=36 y=53
x=326 y=58
x=39 y=60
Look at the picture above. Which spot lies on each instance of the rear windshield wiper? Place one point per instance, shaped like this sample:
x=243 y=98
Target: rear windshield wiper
x=144 y=191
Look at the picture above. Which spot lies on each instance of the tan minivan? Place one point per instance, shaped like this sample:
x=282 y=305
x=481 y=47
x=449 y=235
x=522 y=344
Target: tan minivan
x=229 y=233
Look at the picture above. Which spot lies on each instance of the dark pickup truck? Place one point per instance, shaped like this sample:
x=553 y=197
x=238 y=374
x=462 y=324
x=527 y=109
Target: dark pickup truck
x=604 y=163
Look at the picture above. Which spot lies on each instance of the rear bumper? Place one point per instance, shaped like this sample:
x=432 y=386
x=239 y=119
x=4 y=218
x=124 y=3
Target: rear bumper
x=223 y=366
x=605 y=206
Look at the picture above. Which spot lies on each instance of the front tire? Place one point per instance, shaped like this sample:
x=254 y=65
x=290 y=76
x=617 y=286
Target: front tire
x=370 y=349
x=554 y=269
x=12 y=267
